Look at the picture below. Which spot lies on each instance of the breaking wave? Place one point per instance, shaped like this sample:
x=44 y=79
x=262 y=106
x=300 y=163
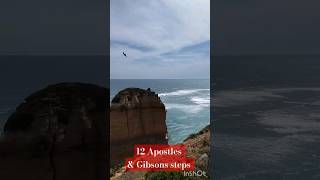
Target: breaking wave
x=201 y=100
x=185 y=108
x=183 y=92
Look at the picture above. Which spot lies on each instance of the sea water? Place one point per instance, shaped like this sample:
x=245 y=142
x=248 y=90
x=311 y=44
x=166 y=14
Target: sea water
x=187 y=102
x=266 y=118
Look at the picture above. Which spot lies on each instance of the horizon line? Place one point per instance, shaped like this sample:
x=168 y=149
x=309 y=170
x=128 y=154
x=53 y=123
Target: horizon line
x=160 y=79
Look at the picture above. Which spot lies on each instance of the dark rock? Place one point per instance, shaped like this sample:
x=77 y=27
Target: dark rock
x=57 y=133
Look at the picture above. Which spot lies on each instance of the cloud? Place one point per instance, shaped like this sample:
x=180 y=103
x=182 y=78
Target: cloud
x=154 y=33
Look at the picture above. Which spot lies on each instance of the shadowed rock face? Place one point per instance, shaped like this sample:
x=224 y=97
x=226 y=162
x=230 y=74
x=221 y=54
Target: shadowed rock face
x=137 y=116
x=57 y=133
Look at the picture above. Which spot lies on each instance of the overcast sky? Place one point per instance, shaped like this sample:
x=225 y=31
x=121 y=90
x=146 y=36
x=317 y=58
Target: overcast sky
x=266 y=27
x=53 y=27
x=162 y=38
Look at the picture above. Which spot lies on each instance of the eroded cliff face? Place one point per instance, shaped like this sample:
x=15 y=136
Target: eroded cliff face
x=55 y=134
x=137 y=116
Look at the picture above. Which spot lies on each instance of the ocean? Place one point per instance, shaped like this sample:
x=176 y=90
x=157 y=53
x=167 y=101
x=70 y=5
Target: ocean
x=8 y=104
x=266 y=118
x=187 y=102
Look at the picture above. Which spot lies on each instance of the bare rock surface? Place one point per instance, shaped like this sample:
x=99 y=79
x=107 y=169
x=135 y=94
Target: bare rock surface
x=57 y=133
x=137 y=116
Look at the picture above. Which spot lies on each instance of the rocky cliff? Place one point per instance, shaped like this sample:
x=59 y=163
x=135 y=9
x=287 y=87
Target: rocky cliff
x=198 y=148
x=55 y=134
x=137 y=116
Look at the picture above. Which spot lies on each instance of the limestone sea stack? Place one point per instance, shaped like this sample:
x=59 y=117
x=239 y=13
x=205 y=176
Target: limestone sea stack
x=137 y=116
x=57 y=133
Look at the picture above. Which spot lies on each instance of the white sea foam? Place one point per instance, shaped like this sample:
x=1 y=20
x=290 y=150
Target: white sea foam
x=201 y=101
x=183 y=92
x=185 y=108
x=196 y=97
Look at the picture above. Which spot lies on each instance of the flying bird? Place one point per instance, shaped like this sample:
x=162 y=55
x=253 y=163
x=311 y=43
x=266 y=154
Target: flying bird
x=124 y=54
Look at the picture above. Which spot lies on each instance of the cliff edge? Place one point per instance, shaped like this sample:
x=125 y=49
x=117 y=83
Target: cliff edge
x=137 y=116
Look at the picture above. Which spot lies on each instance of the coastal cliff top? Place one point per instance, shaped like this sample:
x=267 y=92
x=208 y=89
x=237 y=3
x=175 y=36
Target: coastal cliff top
x=136 y=97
